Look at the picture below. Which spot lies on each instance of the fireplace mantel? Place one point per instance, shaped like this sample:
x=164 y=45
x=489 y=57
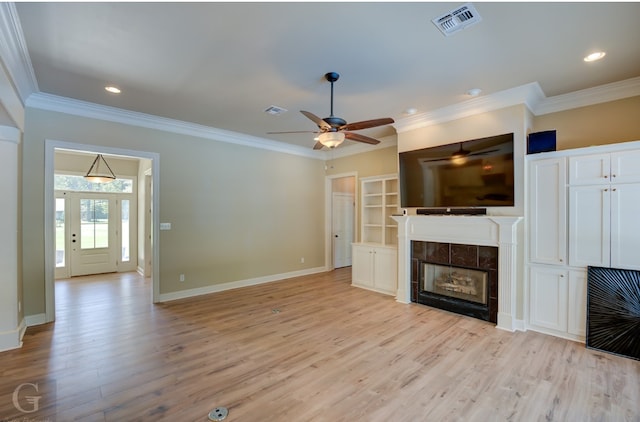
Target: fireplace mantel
x=500 y=231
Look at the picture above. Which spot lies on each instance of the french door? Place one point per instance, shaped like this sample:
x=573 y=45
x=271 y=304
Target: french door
x=92 y=233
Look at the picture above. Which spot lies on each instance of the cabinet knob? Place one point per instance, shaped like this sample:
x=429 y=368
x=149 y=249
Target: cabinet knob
x=606 y=190
x=613 y=175
x=614 y=189
x=606 y=177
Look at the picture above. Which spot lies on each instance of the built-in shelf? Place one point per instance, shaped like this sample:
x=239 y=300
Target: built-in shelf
x=379 y=196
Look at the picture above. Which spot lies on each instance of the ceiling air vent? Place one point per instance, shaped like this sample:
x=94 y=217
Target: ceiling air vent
x=275 y=110
x=459 y=18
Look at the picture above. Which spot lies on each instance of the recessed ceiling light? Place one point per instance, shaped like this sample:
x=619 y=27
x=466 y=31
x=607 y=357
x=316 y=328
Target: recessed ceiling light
x=410 y=111
x=595 y=56
x=112 y=89
x=474 y=92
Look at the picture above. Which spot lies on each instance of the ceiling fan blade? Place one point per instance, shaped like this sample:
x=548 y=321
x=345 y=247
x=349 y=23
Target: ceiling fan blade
x=365 y=124
x=360 y=138
x=315 y=119
x=318 y=145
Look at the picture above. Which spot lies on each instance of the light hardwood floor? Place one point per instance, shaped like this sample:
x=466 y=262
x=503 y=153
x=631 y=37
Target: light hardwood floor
x=311 y=348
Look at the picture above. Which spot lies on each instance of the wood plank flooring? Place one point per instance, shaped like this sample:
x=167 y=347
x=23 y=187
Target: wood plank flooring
x=312 y=348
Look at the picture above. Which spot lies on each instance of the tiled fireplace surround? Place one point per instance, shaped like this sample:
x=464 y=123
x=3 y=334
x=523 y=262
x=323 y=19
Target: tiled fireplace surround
x=484 y=258
x=497 y=231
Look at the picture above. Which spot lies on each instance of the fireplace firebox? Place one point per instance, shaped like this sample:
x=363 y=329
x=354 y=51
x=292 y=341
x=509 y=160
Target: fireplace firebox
x=455 y=282
x=456 y=278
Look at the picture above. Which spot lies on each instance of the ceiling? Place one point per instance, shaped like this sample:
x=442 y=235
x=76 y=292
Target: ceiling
x=222 y=64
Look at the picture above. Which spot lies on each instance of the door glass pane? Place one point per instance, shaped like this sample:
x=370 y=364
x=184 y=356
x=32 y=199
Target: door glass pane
x=60 y=252
x=125 y=230
x=94 y=223
x=80 y=184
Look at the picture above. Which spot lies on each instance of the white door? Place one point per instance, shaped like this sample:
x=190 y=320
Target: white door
x=93 y=234
x=342 y=217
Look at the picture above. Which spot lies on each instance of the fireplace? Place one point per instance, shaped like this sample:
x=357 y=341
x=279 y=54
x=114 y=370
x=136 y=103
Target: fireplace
x=500 y=232
x=457 y=278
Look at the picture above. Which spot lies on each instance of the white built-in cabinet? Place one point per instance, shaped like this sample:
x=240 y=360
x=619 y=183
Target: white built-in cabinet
x=583 y=209
x=375 y=268
x=604 y=193
x=374 y=263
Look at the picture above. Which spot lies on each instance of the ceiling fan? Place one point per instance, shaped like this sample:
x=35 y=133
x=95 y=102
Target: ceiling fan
x=334 y=130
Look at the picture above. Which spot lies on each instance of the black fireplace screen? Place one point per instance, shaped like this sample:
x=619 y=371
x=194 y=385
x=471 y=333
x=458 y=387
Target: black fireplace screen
x=613 y=311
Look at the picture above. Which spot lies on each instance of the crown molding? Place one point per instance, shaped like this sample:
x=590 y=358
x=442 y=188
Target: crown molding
x=116 y=115
x=14 y=52
x=590 y=96
x=359 y=148
x=528 y=94
x=531 y=95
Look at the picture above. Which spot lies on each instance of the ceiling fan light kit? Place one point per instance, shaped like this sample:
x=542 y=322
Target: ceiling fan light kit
x=334 y=130
x=331 y=139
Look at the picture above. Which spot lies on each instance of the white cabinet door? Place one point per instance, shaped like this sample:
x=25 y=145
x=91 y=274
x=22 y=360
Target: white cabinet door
x=385 y=270
x=548 y=211
x=589 y=169
x=577 y=312
x=375 y=268
x=362 y=267
x=625 y=226
x=589 y=226
x=625 y=167
x=548 y=298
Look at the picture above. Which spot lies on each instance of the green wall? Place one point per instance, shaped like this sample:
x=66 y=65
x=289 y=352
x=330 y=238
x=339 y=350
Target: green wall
x=236 y=212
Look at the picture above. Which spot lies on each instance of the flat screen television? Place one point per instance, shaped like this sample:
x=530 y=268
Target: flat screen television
x=474 y=173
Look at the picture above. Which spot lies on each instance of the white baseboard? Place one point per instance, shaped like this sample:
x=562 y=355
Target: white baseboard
x=182 y=294
x=12 y=339
x=37 y=319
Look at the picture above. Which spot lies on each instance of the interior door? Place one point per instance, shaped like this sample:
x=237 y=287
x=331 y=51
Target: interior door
x=93 y=233
x=343 y=209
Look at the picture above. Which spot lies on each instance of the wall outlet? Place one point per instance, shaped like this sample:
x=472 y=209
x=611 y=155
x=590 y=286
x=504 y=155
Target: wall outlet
x=181 y=277
x=302 y=260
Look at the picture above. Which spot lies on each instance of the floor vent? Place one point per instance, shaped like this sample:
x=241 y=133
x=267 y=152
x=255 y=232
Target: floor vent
x=457 y=19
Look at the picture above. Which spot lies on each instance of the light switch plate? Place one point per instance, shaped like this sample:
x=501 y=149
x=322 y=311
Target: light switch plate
x=165 y=226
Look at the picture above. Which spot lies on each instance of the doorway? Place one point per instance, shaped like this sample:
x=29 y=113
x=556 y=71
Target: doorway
x=97 y=228
x=96 y=233
x=341 y=206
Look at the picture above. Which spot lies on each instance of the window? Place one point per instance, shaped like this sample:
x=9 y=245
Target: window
x=80 y=184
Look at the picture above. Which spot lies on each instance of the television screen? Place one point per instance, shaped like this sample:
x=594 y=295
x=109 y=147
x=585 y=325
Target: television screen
x=475 y=173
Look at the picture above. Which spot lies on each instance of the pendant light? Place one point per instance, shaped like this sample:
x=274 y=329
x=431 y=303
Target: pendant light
x=100 y=172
